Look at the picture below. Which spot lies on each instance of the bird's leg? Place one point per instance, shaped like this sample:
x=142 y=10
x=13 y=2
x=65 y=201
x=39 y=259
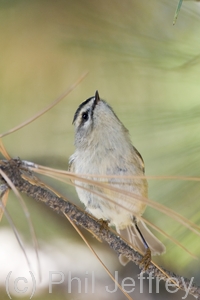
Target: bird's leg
x=146 y=260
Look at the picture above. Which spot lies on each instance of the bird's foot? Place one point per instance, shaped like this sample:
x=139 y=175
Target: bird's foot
x=104 y=224
x=146 y=260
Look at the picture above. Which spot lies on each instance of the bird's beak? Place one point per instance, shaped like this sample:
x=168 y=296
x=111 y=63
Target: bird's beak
x=96 y=101
x=97 y=98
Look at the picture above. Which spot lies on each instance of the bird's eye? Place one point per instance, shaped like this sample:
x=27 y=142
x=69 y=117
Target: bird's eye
x=85 y=116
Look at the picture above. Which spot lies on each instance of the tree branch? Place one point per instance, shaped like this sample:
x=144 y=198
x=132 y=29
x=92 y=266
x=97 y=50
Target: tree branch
x=27 y=183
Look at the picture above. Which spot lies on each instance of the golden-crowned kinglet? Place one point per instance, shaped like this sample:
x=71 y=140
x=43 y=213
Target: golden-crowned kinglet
x=103 y=147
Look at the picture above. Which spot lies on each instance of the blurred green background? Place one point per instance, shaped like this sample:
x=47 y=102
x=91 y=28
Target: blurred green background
x=146 y=68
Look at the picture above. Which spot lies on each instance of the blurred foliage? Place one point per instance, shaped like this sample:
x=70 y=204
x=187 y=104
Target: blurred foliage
x=145 y=67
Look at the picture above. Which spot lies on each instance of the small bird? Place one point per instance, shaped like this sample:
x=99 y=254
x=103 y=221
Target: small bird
x=103 y=147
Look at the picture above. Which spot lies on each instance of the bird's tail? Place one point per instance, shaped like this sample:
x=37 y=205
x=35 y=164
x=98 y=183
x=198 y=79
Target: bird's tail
x=132 y=235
